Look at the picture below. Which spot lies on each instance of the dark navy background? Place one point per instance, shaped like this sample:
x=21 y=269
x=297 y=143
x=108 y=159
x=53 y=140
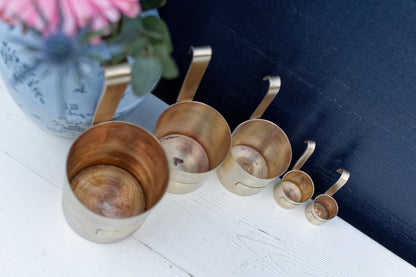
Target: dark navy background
x=348 y=72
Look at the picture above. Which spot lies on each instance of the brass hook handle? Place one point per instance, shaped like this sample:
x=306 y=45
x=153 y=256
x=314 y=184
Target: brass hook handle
x=274 y=87
x=310 y=148
x=117 y=77
x=201 y=57
x=343 y=179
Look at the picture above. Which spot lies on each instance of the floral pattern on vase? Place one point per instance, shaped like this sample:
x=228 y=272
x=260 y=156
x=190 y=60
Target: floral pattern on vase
x=60 y=102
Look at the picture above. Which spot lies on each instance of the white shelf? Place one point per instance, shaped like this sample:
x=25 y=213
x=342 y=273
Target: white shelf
x=209 y=232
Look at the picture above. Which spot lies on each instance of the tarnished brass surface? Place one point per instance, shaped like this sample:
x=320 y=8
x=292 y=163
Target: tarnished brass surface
x=118 y=171
x=324 y=207
x=201 y=57
x=116 y=80
x=310 y=148
x=274 y=88
x=201 y=124
x=126 y=146
x=109 y=190
x=269 y=140
x=250 y=160
x=141 y=162
x=296 y=186
x=261 y=151
x=185 y=153
x=195 y=137
x=343 y=179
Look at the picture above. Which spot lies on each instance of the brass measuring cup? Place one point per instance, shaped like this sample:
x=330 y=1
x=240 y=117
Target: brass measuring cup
x=260 y=151
x=195 y=137
x=296 y=186
x=116 y=172
x=324 y=207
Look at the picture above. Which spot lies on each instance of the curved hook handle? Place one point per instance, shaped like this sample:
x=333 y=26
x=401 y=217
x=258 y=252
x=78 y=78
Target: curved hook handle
x=117 y=77
x=200 y=60
x=274 y=87
x=310 y=148
x=343 y=179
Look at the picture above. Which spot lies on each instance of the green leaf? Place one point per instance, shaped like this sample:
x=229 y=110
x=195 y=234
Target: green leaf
x=169 y=68
x=151 y=4
x=157 y=25
x=136 y=46
x=146 y=72
x=129 y=28
x=152 y=35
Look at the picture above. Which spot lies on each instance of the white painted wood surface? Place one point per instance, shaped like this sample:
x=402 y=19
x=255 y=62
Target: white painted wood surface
x=209 y=232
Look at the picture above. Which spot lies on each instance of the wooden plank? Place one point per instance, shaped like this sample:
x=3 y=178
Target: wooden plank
x=347 y=70
x=212 y=232
x=36 y=240
x=205 y=233
x=34 y=236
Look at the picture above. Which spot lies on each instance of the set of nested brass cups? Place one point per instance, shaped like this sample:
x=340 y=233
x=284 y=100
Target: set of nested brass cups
x=297 y=187
x=117 y=171
x=246 y=166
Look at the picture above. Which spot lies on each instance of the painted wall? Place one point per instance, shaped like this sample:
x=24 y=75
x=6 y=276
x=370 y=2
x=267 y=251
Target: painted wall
x=348 y=72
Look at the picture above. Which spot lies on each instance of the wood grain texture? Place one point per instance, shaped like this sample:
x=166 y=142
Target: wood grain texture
x=35 y=239
x=347 y=70
x=206 y=233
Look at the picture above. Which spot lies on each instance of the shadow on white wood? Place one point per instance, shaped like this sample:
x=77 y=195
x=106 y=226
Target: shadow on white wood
x=209 y=232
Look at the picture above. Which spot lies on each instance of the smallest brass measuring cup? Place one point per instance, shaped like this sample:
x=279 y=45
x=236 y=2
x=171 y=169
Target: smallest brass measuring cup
x=260 y=151
x=296 y=186
x=324 y=207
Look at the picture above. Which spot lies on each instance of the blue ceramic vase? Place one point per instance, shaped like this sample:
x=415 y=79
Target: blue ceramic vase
x=58 y=97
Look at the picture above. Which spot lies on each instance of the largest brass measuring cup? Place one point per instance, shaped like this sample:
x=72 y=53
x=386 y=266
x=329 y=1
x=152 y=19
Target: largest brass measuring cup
x=195 y=137
x=260 y=151
x=116 y=171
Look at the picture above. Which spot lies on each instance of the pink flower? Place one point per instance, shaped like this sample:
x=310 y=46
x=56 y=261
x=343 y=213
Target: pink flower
x=129 y=8
x=45 y=15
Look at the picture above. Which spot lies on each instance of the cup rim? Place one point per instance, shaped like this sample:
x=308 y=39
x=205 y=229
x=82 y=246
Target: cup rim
x=277 y=127
x=187 y=102
x=332 y=199
x=67 y=181
x=307 y=176
x=192 y=102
